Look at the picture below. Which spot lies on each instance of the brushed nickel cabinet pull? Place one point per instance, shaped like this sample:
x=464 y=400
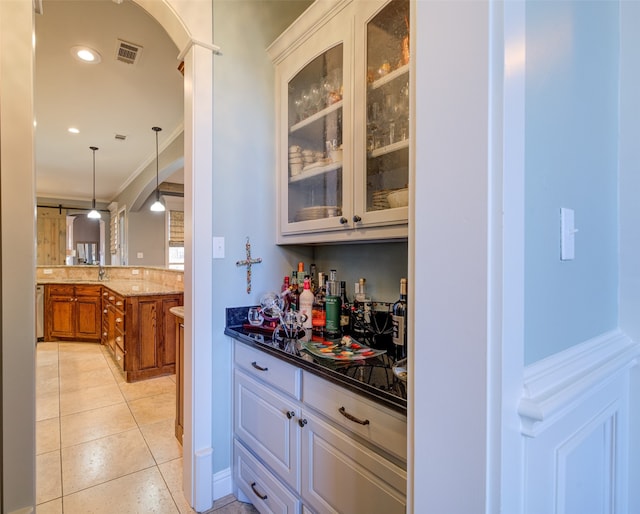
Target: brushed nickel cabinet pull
x=259 y=368
x=350 y=417
x=255 y=491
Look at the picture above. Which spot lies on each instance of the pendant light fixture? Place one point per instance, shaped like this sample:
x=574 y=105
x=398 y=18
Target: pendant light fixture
x=157 y=206
x=93 y=213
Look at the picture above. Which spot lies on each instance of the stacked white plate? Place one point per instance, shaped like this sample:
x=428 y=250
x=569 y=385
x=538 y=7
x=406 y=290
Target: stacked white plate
x=318 y=212
x=379 y=200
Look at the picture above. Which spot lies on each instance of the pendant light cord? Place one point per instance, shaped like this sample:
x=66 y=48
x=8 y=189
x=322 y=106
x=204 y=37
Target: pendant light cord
x=94 y=148
x=156 y=130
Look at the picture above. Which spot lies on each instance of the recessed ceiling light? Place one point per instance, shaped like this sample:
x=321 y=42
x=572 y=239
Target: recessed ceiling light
x=74 y=130
x=86 y=54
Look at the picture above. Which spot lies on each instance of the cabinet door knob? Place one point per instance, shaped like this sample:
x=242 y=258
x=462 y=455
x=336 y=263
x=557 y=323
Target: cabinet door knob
x=105 y=311
x=343 y=220
x=259 y=368
x=350 y=417
x=255 y=491
x=302 y=422
x=356 y=218
x=290 y=414
x=118 y=320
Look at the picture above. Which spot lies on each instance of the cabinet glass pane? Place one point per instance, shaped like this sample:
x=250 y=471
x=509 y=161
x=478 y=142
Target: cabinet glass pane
x=315 y=139
x=388 y=107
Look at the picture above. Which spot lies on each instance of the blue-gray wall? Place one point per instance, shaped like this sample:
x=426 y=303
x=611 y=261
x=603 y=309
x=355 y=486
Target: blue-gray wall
x=571 y=159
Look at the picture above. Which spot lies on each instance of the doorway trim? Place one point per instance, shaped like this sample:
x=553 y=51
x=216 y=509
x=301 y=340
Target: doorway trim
x=191 y=30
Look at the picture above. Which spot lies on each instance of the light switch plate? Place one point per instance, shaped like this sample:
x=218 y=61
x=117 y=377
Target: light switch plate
x=567 y=234
x=218 y=247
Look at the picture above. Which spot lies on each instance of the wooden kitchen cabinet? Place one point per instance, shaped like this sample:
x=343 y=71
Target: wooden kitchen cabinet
x=73 y=312
x=303 y=442
x=342 y=122
x=141 y=333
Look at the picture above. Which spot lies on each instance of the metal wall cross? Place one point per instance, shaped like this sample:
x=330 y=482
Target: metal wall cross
x=248 y=262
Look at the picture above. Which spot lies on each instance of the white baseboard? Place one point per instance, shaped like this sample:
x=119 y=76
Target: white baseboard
x=222 y=484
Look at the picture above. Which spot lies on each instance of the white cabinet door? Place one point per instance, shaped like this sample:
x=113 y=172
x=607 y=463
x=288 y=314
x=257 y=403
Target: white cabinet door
x=381 y=106
x=266 y=422
x=340 y=475
x=314 y=126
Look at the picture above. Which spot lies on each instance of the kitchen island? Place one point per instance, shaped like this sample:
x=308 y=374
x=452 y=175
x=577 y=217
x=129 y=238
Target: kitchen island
x=308 y=431
x=129 y=312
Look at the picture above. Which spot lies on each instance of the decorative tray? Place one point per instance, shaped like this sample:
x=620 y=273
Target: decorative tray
x=339 y=352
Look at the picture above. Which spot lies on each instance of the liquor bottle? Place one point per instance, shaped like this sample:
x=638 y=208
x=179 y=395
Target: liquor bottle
x=399 y=321
x=284 y=293
x=345 y=311
x=294 y=294
x=332 y=307
x=306 y=305
x=318 y=314
x=301 y=276
x=312 y=276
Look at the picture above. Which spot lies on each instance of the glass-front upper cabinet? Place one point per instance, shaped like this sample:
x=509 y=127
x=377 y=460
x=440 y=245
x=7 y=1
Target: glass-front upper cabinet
x=385 y=116
x=315 y=139
x=342 y=120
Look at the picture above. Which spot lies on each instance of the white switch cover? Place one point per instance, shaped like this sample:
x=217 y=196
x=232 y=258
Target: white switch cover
x=140 y=255
x=218 y=247
x=567 y=234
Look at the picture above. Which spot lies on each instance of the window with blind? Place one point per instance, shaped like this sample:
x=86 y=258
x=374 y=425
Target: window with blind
x=176 y=239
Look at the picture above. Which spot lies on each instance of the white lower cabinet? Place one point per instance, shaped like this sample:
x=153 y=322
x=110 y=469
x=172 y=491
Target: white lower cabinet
x=339 y=475
x=292 y=456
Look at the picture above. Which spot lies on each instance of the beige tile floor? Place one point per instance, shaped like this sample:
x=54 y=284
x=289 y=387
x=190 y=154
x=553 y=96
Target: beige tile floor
x=103 y=445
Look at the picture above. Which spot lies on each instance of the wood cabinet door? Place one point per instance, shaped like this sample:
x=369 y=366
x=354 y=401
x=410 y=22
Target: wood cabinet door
x=169 y=327
x=61 y=319
x=88 y=317
x=145 y=324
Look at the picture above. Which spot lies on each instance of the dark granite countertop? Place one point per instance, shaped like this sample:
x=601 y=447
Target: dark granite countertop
x=372 y=378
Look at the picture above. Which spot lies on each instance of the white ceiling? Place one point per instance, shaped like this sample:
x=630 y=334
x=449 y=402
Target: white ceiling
x=101 y=100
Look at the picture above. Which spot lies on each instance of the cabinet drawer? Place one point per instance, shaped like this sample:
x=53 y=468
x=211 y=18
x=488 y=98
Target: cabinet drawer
x=339 y=475
x=267 y=422
x=260 y=486
x=269 y=369
x=93 y=291
x=373 y=422
x=61 y=290
x=119 y=357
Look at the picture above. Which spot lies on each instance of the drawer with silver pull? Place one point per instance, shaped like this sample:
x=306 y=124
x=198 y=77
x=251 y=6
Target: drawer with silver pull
x=269 y=369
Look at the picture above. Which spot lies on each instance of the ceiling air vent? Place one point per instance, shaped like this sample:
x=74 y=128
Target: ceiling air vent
x=120 y=137
x=128 y=52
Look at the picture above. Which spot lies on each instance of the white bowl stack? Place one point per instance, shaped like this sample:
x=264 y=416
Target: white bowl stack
x=295 y=160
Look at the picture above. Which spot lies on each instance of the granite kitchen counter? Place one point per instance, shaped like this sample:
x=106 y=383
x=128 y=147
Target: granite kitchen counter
x=372 y=377
x=123 y=287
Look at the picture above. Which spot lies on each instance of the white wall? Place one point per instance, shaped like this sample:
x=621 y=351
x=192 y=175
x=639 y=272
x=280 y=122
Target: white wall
x=17 y=206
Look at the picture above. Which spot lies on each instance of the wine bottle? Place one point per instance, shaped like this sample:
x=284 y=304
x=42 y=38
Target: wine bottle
x=345 y=311
x=332 y=307
x=318 y=314
x=294 y=295
x=399 y=321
